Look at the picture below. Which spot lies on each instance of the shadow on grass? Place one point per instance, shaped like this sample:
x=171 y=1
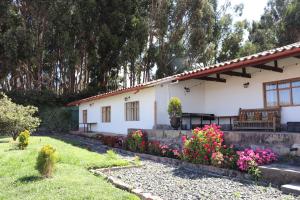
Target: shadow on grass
x=89 y=144
x=27 y=179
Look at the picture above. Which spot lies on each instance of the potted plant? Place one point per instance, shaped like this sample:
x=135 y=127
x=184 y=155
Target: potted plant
x=175 y=111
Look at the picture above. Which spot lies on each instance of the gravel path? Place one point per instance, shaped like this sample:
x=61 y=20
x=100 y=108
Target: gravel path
x=170 y=182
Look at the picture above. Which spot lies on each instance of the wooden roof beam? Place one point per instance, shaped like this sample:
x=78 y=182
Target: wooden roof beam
x=243 y=74
x=267 y=67
x=216 y=79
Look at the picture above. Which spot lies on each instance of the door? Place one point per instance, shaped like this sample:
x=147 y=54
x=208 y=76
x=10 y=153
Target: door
x=84 y=116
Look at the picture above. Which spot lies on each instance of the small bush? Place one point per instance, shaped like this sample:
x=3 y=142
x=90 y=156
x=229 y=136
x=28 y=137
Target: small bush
x=204 y=142
x=46 y=161
x=111 y=141
x=154 y=148
x=23 y=139
x=137 y=141
x=250 y=159
x=217 y=159
x=230 y=157
x=174 y=107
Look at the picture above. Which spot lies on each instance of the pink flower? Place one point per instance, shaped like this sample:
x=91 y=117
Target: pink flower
x=183 y=139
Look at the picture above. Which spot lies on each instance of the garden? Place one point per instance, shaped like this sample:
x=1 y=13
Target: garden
x=205 y=146
x=49 y=167
x=52 y=169
x=36 y=167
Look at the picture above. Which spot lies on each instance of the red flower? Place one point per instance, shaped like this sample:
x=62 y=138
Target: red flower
x=183 y=139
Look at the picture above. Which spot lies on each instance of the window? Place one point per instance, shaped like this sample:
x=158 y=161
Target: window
x=106 y=114
x=84 y=116
x=282 y=93
x=132 y=111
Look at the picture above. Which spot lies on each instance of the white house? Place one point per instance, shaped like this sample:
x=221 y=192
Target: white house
x=263 y=80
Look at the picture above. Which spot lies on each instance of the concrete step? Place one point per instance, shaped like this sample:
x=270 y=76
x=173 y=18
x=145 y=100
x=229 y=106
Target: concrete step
x=280 y=174
x=292 y=188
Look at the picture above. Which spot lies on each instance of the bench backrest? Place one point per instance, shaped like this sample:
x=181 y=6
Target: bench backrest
x=262 y=114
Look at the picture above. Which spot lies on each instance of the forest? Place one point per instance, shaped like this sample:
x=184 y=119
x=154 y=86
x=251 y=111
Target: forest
x=56 y=51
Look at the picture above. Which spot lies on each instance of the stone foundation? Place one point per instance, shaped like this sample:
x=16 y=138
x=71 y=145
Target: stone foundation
x=279 y=142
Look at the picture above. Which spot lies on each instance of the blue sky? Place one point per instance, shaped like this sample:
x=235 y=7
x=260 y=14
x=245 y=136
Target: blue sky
x=253 y=9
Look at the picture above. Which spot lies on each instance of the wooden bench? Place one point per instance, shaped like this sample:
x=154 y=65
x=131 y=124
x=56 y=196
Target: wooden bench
x=258 y=119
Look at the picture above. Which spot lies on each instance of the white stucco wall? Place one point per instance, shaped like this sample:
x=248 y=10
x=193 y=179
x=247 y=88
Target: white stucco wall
x=227 y=98
x=192 y=101
x=118 y=125
x=224 y=99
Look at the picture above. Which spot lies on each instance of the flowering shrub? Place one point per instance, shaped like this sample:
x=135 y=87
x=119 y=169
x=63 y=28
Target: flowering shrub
x=167 y=151
x=176 y=153
x=155 y=148
x=204 y=142
x=217 y=159
x=265 y=156
x=136 y=141
x=250 y=158
x=230 y=157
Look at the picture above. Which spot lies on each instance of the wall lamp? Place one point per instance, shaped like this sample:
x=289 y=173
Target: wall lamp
x=187 y=89
x=246 y=85
x=127 y=98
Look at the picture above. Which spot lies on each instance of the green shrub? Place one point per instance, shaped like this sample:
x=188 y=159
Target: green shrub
x=24 y=139
x=57 y=119
x=46 y=161
x=15 y=118
x=174 y=107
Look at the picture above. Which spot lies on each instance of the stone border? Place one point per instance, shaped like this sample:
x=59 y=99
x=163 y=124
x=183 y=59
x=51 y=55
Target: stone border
x=124 y=186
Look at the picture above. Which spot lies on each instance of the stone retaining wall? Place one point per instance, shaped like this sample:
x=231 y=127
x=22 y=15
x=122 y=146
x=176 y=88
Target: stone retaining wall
x=279 y=142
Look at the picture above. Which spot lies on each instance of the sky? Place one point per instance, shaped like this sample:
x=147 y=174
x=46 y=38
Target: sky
x=253 y=9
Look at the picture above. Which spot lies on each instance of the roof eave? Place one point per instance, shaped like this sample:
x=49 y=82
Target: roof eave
x=251 y=62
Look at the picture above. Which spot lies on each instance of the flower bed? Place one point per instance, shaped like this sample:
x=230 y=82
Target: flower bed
x=205 y=146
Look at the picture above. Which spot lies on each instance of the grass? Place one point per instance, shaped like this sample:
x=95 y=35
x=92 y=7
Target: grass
x=71 y=180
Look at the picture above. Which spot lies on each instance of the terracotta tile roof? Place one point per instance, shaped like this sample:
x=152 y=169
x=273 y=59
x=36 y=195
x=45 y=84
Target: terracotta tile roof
x=254 y=59
x=124 y=90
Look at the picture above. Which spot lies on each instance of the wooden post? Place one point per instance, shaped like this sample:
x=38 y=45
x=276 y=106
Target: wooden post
x=155 y=114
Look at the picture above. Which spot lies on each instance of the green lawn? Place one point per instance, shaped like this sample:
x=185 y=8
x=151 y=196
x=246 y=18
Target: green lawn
x=71 y=180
